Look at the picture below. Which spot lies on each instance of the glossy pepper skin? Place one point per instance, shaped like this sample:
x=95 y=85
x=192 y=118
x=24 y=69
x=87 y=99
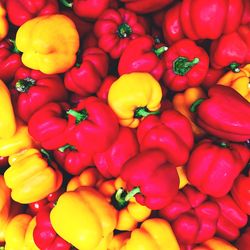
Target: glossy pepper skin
x=44 y=235
x=110 y=162
x=7 y=116
x=4 y=26
x=92 y=121
x=28 y=10
x=213 y=166
x=219 y=114
x=186 y=65
x=231 y=48
x=141 y=55
x=115 y=29
x=30 y=177
x=134 y=96
x=86 y=77
x=162 y=132
x=32 y=90
x=53 y=45
x=155 y=179
x=89 y=220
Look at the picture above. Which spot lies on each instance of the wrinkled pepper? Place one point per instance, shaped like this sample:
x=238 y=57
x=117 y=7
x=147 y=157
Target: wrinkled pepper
x=31 y=177
x=134 y=96
x=4 y=26
x=52 y=46
x=93 y=221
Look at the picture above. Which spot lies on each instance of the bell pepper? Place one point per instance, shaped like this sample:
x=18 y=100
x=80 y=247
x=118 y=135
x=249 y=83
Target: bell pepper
x=243 y=242
x=231 y=218
x=142 y=55
x=181 y=170
x=89 y=41
x=223 y=114
x=213 y=166
x=153 y=234
x=92 y=121
x=52 y=46
x=7 y=116
x=103 y=91
x=145 y=6
x=19 y=233
x=162 y=132
x=186 y=65
x=231 y=49
x=238 y=81
x=19 y=141
x=3 y=162
x=150 y=178
x=118 y=241
x=246 y=16
x=44 y=235
x=213 y=75
x=29 y=10
x=215 y=243
x=31 y=177
x=10 y=60
x=88 y=219
x=115 y=29
x=4 y=26
x=86 y=77
x=134 y=96
x=110 y=162
x=32 y=90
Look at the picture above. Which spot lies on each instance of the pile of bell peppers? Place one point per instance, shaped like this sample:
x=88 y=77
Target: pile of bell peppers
x=124 y=124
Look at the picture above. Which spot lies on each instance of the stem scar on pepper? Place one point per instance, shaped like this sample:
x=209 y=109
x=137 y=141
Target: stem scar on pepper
x=79 y=115
x=66 y=3
x=234 y=67
x=23 y=85
x=143 y=112
x=182 y=65
x=124 y=30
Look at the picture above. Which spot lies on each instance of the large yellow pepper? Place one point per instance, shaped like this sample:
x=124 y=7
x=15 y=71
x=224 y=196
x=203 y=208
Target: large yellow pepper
x=49 y=43
x=88 y=219
x=4 y=27
x=240 y=81
x=215 y=244
x=154 y=234
x=134 y=96
x=7 y=116
x=118 y=241
x=30 y=177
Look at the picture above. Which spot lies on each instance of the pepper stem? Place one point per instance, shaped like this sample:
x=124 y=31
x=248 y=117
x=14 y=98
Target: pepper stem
x=124 y=30
x=223 y=144
x=14 y=48
x=66 y=3
x=67 y=146
x=132 y=193
x=234 y=67
x=160 y=50
x=45 y=154
x=2 y=247
x=79 y=115
x=194 y=106
x=143 y=112
x=23 y=85
x=181 y=65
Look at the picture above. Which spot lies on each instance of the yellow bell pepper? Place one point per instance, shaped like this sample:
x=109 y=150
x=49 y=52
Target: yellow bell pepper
x=182 y=176
x=118 y=241
x=182 y=103
x=215 y=244
x=134 y=96
x=49 y=43
x=19 y=141
x=240 y=81
x=88 y=219
x=19 y=233
x=154 y=234
x=7 y=116
x=4 y=27
x=30 y=177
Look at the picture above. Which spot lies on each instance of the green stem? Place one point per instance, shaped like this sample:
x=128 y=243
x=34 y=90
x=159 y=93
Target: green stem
x=132 y=193
x=124 y=30
x=234 y=67
x=181 y=65
x=143 y=112
x=160 y=50
x=2 y=247
x=67 y=146
x=14 y=48
x=79 y=115
x=194 y=106
x=23 y=85
x=223 y=144
x=66 y=3
x=45 y=154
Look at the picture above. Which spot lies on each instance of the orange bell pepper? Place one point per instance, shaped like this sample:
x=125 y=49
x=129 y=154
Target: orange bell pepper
x=182 y=176
x=118 y=241
x=4 y=26
x=215 y=244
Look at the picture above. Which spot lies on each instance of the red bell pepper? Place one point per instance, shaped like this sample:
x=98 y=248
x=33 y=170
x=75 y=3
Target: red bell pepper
x=186 y=65
x=213 y=166
x=246 y=12
x=95 y=126
x=86 y=77
x=10 y=60
x=241 y=192
x=145 y=6
x=49 y=125
x=103 y=91
x=224 y=114
x=32 y=89
x=213 y=75
x=20 y=11
x=115 y=29
x=163 y=133
x=142 y=55
x=89 y=41
x=3 y=162
x=231 y=218
x=110 y=162
x=151 y=178
x=231 y=49
x=243 y=242
x=44 y=235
